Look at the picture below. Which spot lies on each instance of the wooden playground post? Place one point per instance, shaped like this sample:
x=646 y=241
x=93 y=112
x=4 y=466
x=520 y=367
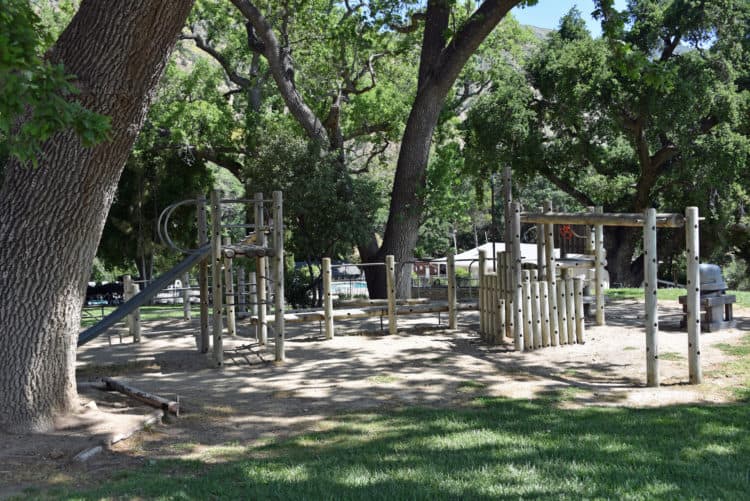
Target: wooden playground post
x=253 y=295
x=580 y=321
x=278 y=275
x=541 y=249
x=693 y=295
x=508 y=293
x=327 y=297
x=528 y=336
x=536 y=317
x=549 y=254
x=260 y=271
x=216 y=261
x=451 y=270
x=544 y=311
x=241 y=290
x=500 y=297
x=507 y=208
x=650 y=292
x=390 y=278
x=229 y=293
x=482 y=296
x=562 y=311
x=571 y=310
x=130 y=289
x=599 y=269
x=518 y=340
x=186 y=296
x=204 y=339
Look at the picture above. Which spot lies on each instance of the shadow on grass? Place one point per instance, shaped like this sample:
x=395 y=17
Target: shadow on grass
x=495 y=448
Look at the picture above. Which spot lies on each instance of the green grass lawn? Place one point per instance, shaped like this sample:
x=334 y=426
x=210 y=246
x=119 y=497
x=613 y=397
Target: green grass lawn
x=494 y=449
x=743 y=297
x=491 y=449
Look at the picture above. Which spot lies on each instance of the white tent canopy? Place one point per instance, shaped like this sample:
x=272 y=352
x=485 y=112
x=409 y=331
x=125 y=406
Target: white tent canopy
x=469 y=260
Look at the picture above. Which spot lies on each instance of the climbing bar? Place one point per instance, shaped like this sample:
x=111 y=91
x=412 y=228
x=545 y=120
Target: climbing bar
x=605 y=219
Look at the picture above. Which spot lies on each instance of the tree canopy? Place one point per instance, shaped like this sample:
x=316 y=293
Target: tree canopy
x=653 y=114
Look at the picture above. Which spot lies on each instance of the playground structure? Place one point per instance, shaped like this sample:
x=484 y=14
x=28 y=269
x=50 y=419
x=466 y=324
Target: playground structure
x=219 y=253
x=525 y=316
x=537 y=307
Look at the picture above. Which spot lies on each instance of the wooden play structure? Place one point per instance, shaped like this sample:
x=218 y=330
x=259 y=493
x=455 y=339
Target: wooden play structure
x=217 y=252
x=538 y=304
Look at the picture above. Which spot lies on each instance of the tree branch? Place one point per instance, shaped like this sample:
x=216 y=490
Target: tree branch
x=282 y=70
x=669 y=47
x=231 y=73
x=367 y=129
x=415 y=19
x=568 y=188
x=466 y=41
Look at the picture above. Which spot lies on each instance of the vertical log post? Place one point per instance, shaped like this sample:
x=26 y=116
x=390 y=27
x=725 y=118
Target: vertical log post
x=253 y=294
x=541 y=249
x=241 y=290
x=580 y=323
x=528 y=335
x=507 y=208
x=693 y=296
x=327 y=298
x=204 y=340
x=482 y=296
x=518 y=323
x=544 y=311
x=452 y=311
x=260 y=271
x=491 y=307
x=278 y=273
x=499 y=299
x=390 y=278
x=130 y=290
x=186 y=296
x=536 y=317
x=216 y=262
x=570 y=296
x=599 y=270
x=650 y=291
x=549 y=253
x=127 y=293
x=562 y=311
x=509 y=292
x=229 y=293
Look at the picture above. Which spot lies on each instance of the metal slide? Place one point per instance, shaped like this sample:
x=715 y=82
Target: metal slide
x=144 y=296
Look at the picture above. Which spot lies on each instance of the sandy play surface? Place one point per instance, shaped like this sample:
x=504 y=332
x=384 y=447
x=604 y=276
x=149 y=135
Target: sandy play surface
x=361 y=369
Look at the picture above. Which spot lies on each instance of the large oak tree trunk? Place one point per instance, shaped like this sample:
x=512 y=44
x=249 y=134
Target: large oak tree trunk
x=53 y=216
x=441 y=61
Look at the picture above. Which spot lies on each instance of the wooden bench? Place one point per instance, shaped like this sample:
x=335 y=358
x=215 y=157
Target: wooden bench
x=716 y=312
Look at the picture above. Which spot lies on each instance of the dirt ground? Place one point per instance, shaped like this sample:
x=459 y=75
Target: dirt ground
x=251 y=400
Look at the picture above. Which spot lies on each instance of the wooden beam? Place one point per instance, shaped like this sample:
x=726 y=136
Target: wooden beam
x=605 y=219
x=144 y=396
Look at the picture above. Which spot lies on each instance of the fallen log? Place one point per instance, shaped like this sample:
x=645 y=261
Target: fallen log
x=143 y=396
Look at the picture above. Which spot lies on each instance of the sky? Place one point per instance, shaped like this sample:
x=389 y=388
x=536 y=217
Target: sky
x=547 y=13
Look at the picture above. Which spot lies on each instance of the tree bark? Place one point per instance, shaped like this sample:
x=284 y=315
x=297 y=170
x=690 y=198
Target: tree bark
x=53 y=216
x=440 y=64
